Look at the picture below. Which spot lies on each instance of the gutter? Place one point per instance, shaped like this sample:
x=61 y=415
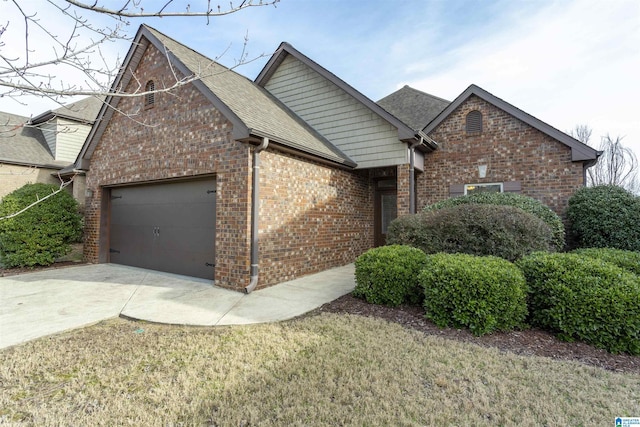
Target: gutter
x=255 y=192
x=412 y=175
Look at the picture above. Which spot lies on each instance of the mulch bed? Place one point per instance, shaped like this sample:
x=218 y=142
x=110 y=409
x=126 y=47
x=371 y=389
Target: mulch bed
x=4 y=272
x=527 y=342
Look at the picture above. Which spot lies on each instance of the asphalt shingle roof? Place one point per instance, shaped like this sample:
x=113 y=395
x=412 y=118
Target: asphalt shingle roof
x=261 y=112
x=413 y=107
x=23 y=144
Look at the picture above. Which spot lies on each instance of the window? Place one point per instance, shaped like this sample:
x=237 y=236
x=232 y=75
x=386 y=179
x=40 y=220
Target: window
x=474 y=122
x=483 y=188
x=150 y=97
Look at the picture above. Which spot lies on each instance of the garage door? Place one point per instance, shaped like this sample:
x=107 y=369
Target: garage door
x=168 y=227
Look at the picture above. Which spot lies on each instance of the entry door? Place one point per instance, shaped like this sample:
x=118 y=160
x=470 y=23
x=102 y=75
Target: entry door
x=386 y=210
x=168 y=227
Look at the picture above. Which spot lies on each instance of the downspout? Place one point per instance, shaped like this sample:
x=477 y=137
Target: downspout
x=255 y=209
x=412 y=175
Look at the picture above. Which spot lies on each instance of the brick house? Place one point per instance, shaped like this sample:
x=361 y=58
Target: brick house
x=252 y=183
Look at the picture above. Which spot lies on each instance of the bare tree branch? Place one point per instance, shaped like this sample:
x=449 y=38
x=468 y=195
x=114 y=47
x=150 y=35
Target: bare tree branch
x=617 y=165
x=137 y=10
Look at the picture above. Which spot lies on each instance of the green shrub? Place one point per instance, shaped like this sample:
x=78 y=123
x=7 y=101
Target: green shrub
x=504 y=231
x=605 y=216
x=388 y=275
x=42 y=233
x=525 y=203
x=484 y=294
x=628 y=260
x=579 y=297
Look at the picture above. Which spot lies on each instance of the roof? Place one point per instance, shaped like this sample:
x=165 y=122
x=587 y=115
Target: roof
x=405 y=133
x=251 y=109
x=414 y=107
x=85 y=111
x=579 y=151
x=24 y=145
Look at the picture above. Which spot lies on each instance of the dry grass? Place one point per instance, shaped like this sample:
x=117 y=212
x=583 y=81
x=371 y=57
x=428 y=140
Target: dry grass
x=322 y=370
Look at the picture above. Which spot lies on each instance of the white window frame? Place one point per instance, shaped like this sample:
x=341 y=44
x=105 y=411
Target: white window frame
x=484 y=184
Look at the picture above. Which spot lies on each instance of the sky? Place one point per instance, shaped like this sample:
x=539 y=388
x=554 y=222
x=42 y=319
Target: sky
x=568 y=63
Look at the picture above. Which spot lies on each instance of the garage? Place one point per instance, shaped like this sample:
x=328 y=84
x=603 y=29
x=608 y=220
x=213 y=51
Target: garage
x=167 y=227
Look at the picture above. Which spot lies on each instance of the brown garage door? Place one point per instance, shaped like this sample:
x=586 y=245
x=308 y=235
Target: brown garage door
x=168 y=227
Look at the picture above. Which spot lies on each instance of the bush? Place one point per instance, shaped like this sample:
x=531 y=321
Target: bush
x=525 y=203
x=605 y=216
x=579 y=297
x=42 y=233
x=504 y=231
x=482 y=293
x=388 y=275
x=628 y=260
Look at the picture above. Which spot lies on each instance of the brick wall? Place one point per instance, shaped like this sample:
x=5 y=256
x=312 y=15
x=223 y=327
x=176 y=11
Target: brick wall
x=184 y=136
x=512 y=150
x=312 y=216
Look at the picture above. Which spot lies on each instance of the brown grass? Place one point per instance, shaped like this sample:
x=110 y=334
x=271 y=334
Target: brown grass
x=327 y=369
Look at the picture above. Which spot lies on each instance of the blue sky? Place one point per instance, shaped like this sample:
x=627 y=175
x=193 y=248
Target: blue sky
x=566 y=62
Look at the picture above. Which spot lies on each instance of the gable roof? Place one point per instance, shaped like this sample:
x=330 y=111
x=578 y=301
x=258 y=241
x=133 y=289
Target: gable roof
x=405 y=133
x=414 y=107
x=24 y=145
x=84 y=111
x=253 y=112
x=579 y=151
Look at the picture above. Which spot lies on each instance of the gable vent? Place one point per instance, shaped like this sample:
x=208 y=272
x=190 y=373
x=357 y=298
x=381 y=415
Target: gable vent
x=150 y=98
x=474 y=122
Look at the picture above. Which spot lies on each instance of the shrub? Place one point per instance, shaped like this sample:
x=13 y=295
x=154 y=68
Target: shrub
x=42 y=233
x=579 y=297
x=504 y=231
x=482 y=293
x=388 y=275
x=525 y=203
x=628 y=260
x=605 y=216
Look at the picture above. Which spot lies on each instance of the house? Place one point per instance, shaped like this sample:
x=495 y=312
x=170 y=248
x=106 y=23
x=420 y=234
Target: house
x=39 y=149
x=252 y=183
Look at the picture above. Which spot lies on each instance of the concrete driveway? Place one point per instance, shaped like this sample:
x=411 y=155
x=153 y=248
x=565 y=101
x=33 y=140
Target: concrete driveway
x=38 y=304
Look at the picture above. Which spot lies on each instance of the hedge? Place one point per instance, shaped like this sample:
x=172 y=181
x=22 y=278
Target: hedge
x=579 y=297
x=525 y=203
x=42 y=233
x=604 y=216
x=484 y=294
x=388 y=275
x=503 y=231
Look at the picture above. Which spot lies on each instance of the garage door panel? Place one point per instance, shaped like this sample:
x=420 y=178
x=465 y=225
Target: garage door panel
x=168 y=227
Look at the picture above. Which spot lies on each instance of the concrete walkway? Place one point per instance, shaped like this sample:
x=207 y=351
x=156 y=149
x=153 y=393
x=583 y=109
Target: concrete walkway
x=38 y=304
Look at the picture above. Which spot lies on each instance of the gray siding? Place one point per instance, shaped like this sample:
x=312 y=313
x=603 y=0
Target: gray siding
x=49 y=130
x=361 y=134
x=71 y=135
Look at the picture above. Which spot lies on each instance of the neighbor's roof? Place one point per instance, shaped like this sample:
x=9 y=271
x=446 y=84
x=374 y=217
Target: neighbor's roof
x=252 y=110
x=84 y=111
x=579 y=151
x=24 y=145
x=414 y=107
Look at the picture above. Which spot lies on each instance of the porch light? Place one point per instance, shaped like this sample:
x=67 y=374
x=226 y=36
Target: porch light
x=482 y=171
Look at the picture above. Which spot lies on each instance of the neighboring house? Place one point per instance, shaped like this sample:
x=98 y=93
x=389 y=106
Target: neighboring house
x=257 y=182
x=39 y=149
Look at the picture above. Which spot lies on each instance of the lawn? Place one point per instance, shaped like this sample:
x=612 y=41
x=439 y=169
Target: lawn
x=325 y=369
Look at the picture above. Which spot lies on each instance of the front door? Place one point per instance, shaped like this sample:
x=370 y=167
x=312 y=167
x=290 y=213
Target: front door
x=386 y=210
